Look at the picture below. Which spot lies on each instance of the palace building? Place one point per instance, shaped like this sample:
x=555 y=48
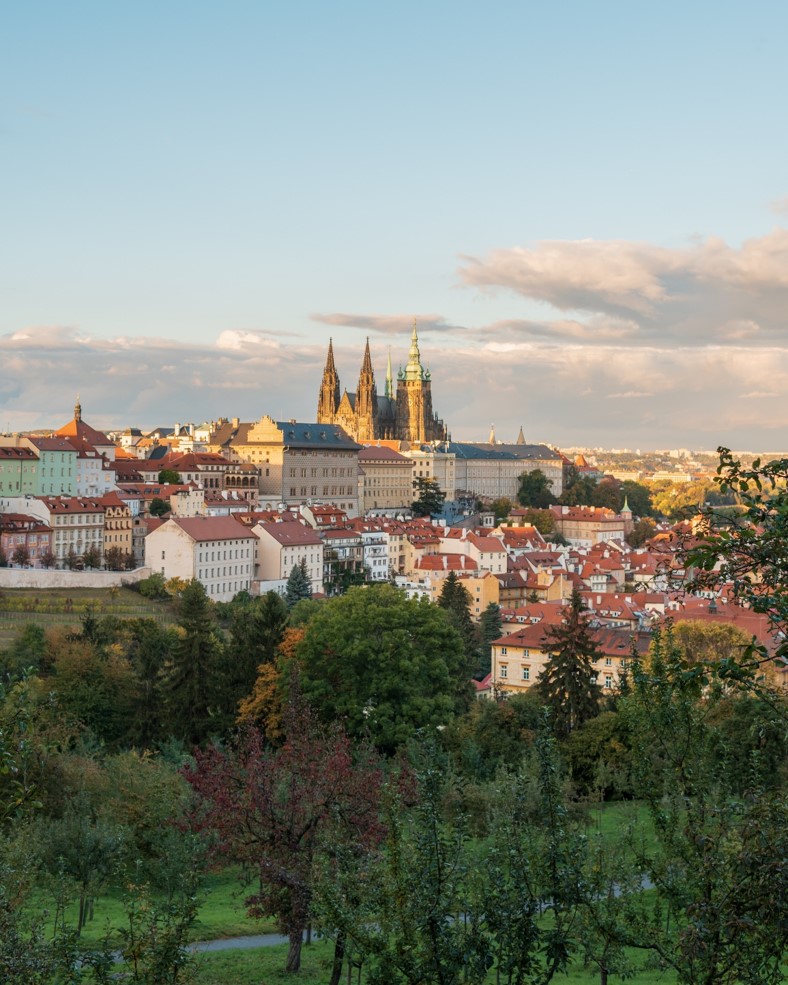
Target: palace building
x=406 y=415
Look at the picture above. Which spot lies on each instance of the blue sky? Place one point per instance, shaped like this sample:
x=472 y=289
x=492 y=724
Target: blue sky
x=584 y=204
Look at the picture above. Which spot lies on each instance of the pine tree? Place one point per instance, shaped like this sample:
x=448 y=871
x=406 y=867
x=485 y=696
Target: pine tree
x=455 y=599
x=568 y=682
x=194 y=671
x=299 y=585
x=490 y=628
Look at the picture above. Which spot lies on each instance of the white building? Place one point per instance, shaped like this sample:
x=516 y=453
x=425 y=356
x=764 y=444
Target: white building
x=217 y=551
x=280 y=547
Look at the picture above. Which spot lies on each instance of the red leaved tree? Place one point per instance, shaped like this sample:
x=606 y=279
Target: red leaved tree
x=274 y=810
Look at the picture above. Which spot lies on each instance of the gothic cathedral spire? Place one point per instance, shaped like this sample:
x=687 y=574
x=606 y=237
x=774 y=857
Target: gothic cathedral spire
x=328 y=401
x=366 y=399
x=389 y=391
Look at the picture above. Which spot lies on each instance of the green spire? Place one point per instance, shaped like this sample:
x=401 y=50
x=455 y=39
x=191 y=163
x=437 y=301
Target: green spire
x=389 y=391
x=414 y=371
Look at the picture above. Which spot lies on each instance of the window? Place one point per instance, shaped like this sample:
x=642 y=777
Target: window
x=503 y=650
x=504 y=670
x=526 y=673
x=608 y=680
x=608 y=661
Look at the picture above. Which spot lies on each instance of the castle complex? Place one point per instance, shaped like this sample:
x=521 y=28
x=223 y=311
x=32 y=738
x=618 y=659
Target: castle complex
x=406 y=416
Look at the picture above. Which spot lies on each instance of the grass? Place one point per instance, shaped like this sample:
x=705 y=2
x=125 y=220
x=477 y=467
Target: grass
x=221 y=914
x=47 y=607
x=264 y=966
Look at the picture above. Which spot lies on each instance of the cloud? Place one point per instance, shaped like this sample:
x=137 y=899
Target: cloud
x=707 y=292
x=388 y=324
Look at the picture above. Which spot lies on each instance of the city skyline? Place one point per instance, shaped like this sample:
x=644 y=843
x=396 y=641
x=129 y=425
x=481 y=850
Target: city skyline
x=584 y=208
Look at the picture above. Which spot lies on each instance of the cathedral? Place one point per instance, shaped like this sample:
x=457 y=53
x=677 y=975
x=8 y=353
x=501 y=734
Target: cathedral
x=406 y=415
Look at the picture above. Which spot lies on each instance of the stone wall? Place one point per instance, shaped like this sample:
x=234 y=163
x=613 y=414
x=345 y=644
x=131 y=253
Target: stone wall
x=41 y=578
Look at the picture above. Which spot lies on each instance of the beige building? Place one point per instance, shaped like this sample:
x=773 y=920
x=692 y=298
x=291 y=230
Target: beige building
x=386 y=479
x=117 y=524
x=493 y=471
x=283 y=545
x=298 y=462
x=217 y=551
x=434 y=463
x=584 y=526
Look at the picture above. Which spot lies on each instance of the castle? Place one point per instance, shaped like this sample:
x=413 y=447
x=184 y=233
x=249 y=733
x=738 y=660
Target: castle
x=406 y=416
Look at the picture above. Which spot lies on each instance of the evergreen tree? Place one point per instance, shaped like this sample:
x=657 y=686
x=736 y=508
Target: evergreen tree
x=429 y=497
x=257 y=628
x=193 y=671
x=568 y=682
x=299 y=585
x=456 y=600
x=490 y=628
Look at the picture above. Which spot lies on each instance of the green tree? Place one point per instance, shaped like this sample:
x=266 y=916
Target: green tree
x=3 y=557
x=47 y=559
x=543 y=520
x=490 y=628
x=455 y=600
x=638 y=497
x=256 y=631
x=578 y=489
x=607 y=493
x=429 y=497
x=568 y=682
x=642 y=530
x=501 y=507
x=717 y=862
x=383 y=664
x=158 y=507
x=191 y=676
x=299 y=585
x=535 y=490
x=169 y=477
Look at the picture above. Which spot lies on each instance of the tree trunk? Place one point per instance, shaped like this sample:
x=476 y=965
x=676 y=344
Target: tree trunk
x=339 y=954
x=603 y=975
x=294 y=951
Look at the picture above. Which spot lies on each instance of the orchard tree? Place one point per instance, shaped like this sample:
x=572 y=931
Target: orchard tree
x=568 y=682
x=383 y=664
x=275 y=811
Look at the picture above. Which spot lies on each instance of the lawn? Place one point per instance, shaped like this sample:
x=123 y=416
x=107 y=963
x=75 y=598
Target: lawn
x=264 y=966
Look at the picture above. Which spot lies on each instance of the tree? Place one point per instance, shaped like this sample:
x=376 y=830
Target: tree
x=383 y=664
x=158 y=507
x=542 y=520
x=455 y=600
x=21 y=556
x=3 y=557
x=47 y=559
x=91 y=557
x=256 y=631
x=748 y=550
x=642 y=530
x=535 y=490
x=490 y=628
x=501 y=507
x=72 y=559
x=168 y=477
x=578 y=489
x=276 y=810
x=638 y=497
x=191 y=676
x=299 y=585
x=429 y=497
x=568 y=681
x=717 y=860
x=115 y=558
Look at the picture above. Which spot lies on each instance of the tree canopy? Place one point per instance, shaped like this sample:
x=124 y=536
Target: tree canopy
x=383 y=664
x=429 y=497
x=535 y=490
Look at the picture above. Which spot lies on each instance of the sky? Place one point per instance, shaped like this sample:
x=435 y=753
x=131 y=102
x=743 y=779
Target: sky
x=584 y=206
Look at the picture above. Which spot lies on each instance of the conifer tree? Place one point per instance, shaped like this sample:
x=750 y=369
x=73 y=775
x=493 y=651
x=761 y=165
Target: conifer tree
x=299 y=585
x=193 y=671
x=568 y=682
x=490 y=628
x=456 y=600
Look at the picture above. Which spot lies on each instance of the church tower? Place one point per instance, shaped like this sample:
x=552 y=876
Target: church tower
x=366 y=401
x=414 y=398
x=328 y=400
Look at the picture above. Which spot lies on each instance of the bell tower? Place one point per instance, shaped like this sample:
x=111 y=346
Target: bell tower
x=328 y=399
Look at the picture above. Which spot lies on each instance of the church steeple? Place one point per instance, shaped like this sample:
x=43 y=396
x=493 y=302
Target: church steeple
x=491 y=440
x=328 y=399
x=389 y=391
x=520 y=437
x=414 y=371
x=366 y=399
x=77 y=410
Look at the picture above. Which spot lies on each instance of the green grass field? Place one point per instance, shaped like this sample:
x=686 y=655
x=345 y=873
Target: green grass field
x=264 y=966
